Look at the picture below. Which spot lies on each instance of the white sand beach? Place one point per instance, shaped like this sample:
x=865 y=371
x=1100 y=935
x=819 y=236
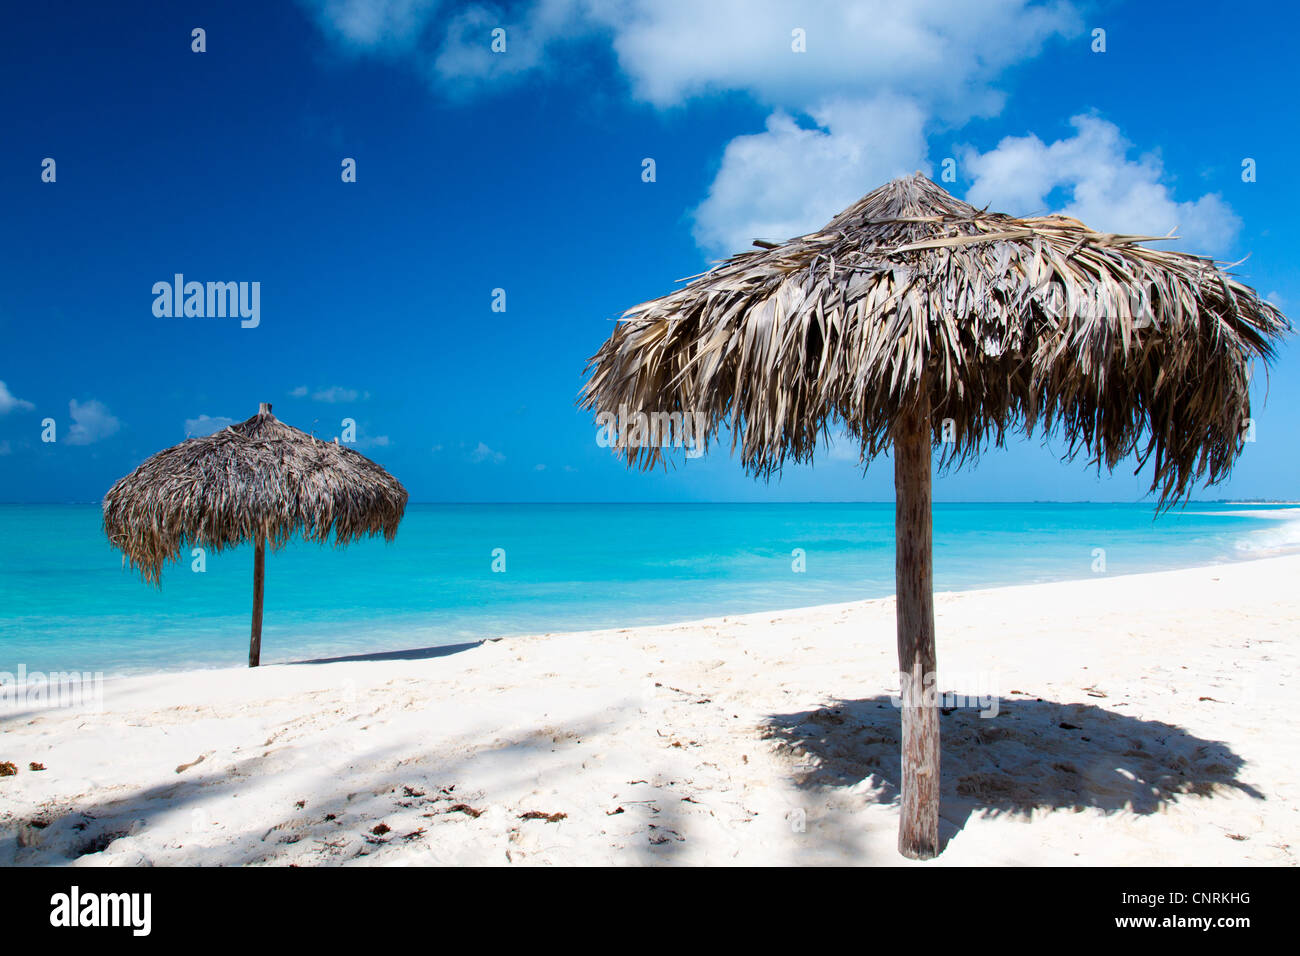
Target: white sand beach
x=1147 y=719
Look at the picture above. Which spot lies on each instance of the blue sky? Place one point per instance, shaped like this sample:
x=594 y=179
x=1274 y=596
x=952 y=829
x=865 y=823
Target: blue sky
x=523 y=171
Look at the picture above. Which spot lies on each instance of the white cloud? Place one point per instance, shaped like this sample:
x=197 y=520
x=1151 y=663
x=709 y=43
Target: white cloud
x=10 y=402
x=336 y=394
x=206 y=425
x=876 y=74
x=873 y=75
x=944 y=51
x=790 y=179
x=672 y=50
x=91 y=422
x=930 y=48
x=848 y=114
x=299 y=392
x=482 y=453
x=1103 y=187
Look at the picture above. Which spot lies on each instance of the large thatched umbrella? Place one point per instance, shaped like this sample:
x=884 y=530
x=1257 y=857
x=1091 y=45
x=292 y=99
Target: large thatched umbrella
x=913 y=320
x=261 y=481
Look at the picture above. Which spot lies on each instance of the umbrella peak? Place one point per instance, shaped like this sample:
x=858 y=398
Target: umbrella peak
x=915 y=198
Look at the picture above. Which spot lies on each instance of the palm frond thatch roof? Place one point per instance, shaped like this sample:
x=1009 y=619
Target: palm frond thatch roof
x=1008 y=323
x=258 y=477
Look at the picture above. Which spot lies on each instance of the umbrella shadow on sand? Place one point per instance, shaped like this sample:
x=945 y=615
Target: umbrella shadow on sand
x=1033 y=755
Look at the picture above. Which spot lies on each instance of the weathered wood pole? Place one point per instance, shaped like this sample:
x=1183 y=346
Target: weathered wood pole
x=918 y=829
x=259 y=574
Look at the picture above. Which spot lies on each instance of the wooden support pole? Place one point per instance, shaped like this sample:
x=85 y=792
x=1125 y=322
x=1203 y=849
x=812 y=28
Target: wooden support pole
x=918 y=828
x=259 y=573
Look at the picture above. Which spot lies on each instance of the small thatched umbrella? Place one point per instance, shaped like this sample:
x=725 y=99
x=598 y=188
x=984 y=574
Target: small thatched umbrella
x=261 y=481
x=914 y=319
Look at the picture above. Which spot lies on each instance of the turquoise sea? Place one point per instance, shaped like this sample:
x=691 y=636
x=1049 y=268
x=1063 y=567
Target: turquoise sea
x=66 y=602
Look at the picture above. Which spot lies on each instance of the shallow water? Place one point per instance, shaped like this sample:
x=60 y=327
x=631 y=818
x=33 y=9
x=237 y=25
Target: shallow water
x=66 y=603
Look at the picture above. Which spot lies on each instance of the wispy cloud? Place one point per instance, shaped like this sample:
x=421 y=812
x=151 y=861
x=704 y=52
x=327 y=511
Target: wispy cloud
x=482 y=453
x=91 y=422
x=206 y=425
x=335 y=394
x=841 y=447
x=332 y=395
x=11 y=403
x=389 y=26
